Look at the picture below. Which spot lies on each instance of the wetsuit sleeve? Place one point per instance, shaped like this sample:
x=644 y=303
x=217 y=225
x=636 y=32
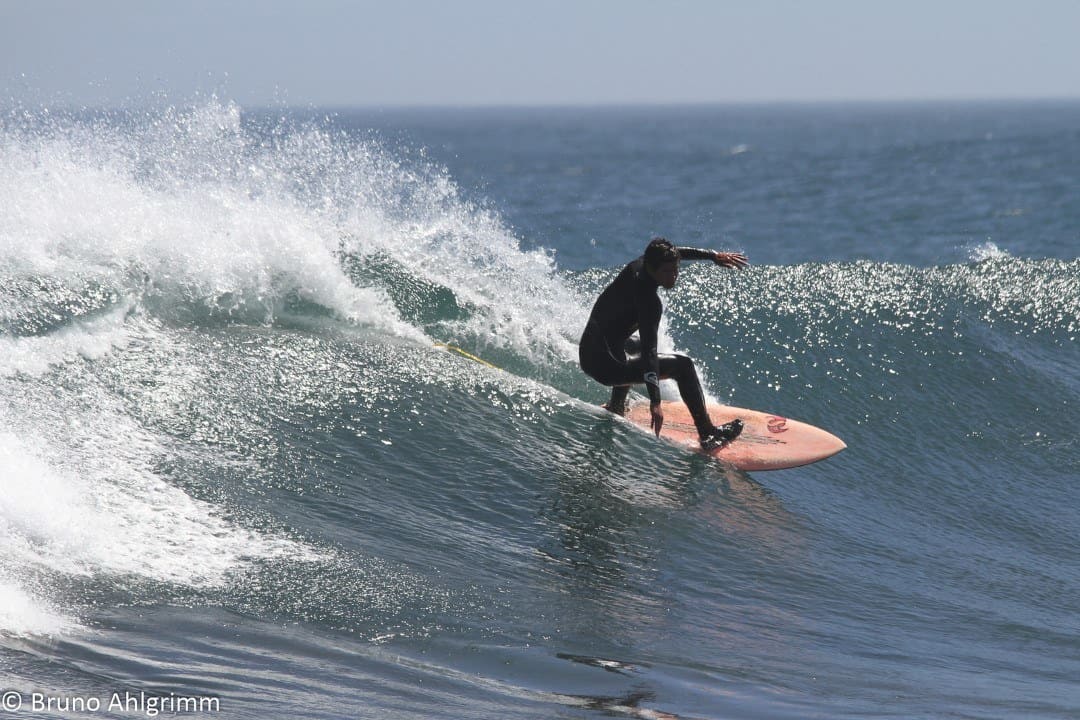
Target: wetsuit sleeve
x=687 y=253
x=649 y=309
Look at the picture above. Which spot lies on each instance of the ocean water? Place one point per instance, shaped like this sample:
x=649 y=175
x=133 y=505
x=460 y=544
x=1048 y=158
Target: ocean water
x=237 y=469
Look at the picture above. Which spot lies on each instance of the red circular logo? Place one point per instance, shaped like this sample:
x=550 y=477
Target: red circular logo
x=777 y=424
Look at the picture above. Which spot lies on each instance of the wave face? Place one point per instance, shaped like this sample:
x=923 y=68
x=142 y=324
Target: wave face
x=237 y=461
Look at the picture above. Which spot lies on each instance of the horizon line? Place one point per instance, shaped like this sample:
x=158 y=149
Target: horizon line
x=192 y=98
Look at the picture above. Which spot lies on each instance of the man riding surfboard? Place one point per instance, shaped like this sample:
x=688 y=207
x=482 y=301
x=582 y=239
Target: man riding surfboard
x=610 y=355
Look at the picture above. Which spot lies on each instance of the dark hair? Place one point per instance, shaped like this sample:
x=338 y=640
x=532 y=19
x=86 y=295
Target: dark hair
x=660 y=251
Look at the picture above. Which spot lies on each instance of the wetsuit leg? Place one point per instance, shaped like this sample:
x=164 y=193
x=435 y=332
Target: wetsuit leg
x=681 y=369
x=598 y=361
x=619 y=393
x=617 y=403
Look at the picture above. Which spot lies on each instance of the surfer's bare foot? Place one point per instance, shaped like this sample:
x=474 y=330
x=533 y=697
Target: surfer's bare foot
x=722 y=435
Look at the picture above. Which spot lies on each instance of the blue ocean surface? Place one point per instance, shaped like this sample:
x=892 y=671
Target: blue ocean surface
x=239 y=468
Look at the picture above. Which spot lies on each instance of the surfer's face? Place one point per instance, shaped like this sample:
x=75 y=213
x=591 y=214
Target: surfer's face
x=666 y=274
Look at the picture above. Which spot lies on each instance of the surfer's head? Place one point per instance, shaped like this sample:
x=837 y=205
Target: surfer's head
x=662 y=262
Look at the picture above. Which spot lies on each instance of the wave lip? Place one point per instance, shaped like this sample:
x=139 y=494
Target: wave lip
x=185 y=209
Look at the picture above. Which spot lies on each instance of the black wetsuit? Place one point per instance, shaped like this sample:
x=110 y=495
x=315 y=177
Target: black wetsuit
x=609 y=355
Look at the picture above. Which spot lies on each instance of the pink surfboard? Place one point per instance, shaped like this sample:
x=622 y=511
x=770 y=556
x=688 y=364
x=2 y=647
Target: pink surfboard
x=767 y=442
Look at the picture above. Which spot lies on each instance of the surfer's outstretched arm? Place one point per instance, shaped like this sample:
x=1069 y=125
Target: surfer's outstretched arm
x=724 y=259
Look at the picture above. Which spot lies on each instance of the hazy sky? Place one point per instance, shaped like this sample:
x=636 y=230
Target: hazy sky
x=468 y=52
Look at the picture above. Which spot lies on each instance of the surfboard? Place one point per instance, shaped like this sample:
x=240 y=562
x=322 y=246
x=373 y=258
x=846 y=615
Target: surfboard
x=767 y=442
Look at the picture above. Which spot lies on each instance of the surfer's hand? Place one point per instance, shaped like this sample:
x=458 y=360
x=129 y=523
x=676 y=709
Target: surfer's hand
x=657 y=421
x=730 y=260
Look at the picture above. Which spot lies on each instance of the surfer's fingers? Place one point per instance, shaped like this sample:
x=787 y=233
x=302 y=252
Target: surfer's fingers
x=657 y=423
x=736 y=261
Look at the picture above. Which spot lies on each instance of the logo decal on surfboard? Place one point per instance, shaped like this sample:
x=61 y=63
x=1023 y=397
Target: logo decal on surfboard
x=777 y=424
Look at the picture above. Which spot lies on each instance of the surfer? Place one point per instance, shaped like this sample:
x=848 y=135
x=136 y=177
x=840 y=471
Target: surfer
x=612 y=357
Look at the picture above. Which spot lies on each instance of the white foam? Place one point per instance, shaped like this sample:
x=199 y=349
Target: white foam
x=90 y=339
x=187 y=201
x=79 y=497
x=99 y=507
x=985 y=251
x=23 y=613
